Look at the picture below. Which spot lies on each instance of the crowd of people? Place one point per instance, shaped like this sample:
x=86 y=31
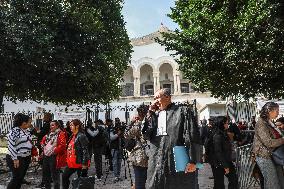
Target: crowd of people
x=148 y=142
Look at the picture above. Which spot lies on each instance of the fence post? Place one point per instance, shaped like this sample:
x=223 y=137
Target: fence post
x=126 y=113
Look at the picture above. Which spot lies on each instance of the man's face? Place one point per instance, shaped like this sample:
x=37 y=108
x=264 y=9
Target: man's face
x=161 y=100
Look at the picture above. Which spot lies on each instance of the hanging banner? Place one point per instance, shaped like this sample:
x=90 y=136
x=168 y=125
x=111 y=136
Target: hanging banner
x=70 y=116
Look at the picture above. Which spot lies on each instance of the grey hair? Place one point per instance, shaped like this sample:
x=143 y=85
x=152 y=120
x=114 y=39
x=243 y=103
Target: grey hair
x=268 y=107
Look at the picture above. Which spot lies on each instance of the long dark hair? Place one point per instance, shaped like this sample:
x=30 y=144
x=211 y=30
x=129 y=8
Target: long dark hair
x=77 y=122
x=268 y=107
x=19 y=119
x=219 y=122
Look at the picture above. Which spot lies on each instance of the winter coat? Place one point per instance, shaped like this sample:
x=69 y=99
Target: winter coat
x=81 y=149
x=182 y=130
x=264 y=141
x=221 y=155
x=137 y=156
x=59 y=150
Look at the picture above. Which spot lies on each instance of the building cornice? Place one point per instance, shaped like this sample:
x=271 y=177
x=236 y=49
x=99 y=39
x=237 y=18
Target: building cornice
x=150 y=38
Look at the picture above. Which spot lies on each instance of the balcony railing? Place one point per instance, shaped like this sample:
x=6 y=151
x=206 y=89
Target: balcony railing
x=127 y=90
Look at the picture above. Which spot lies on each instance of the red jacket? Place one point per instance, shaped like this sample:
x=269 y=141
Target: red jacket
x=60 y=149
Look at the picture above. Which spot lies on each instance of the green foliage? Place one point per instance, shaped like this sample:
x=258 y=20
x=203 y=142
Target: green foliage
x=230 y=47
x=63 y=51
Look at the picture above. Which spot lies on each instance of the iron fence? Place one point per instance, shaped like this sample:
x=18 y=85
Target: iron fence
x=6 y=120
x=245 y=167
x=97 y=111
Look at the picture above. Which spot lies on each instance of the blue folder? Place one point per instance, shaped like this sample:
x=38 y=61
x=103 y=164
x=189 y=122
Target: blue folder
x=181 y=157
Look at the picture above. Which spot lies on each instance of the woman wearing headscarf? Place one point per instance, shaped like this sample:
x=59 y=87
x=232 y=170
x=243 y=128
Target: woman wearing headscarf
x=266 y=139
x=54 y=155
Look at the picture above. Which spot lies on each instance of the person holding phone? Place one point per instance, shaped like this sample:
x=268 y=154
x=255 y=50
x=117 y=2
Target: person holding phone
x=165 y=127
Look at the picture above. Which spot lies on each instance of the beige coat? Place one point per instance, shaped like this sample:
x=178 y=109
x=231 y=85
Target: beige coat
x=138 y=155
x=264 y=142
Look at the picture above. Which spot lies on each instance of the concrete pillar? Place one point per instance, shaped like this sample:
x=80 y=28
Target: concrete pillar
x=156 y=76
x=136 y=76
x=177 y=90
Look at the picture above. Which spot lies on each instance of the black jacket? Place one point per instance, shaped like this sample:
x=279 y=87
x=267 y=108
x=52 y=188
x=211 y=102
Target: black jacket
x=116 y=143
x=81 y=148
x=205 y=132
x=221 y=156
x=182 y=130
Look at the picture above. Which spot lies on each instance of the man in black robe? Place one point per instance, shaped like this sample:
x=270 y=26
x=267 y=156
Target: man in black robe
x=167 y=126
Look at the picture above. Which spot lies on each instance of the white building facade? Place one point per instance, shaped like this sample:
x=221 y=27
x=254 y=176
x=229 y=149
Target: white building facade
x=151 y=68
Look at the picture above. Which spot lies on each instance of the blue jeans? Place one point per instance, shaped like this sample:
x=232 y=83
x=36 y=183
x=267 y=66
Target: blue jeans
x=116 y=161
x=140 y=176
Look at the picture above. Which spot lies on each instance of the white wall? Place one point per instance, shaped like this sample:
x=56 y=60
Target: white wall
x=204 y=114
x=217 y=110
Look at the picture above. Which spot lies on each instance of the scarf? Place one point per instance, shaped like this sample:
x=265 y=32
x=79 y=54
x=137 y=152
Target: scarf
x=275 y=131
x=52 y=136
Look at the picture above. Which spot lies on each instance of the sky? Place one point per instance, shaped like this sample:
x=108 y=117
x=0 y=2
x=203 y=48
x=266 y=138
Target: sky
x=143 y=17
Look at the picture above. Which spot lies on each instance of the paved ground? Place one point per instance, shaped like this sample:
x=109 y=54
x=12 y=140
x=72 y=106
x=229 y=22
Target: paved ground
x=35 y=177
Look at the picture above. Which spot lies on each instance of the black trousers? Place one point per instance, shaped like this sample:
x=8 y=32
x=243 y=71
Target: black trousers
x=49 y=171
x=218 y=174
x=67 y=174
x=140 y=177
x=98 y=151
x=108 y=156
x=19 y=173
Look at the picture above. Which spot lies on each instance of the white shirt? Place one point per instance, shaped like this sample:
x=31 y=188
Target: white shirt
x=162 y=123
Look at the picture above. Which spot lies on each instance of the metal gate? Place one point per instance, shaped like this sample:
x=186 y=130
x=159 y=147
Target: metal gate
x=245 y=166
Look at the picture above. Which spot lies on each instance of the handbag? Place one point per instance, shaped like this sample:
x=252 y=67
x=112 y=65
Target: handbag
x=49 y=148
x=278 y=155
x=83 y=183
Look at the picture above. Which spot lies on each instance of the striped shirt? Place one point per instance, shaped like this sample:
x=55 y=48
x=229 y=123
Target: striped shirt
x=19 y=143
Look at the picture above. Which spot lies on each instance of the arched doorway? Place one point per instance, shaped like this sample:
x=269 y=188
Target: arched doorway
x=166 y=77
x=146 y=80
x=127 y=84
